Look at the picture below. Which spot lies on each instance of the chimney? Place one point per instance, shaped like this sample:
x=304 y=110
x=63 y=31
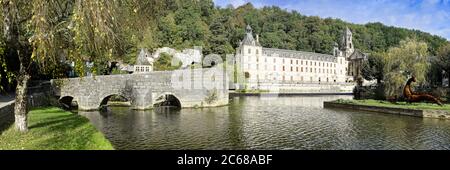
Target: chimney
x=257 y=38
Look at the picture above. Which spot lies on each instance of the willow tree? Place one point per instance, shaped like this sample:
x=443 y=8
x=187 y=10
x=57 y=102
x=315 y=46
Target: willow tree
x=41 y=32
x=408 y=59
x=33 y=33
x=97 y=34
x=444 y=59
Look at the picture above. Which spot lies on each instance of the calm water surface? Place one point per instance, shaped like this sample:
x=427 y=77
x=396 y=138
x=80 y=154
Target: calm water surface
x=298 y=122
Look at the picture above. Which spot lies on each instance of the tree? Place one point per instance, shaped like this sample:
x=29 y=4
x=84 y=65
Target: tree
x=166 y=62
x=409 y=58
x=373 y=67
x=30 y=30
x=40 y=32
x=97 y=34
x=219 y=42
x=443 y=59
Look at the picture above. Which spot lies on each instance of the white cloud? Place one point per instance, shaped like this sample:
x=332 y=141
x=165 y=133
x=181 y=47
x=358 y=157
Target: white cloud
x=427 y=15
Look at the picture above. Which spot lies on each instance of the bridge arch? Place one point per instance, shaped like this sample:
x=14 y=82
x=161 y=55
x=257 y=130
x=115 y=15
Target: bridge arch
x=106 y=98
x=66 y=102
x=167 y=99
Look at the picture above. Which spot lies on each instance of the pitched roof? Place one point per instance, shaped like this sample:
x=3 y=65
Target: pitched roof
x=298 y=54
x=142 y=57
x=248 y=39
x=358 y=55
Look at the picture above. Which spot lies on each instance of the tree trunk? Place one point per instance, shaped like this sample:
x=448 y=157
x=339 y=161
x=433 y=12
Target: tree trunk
x=21 y=104
x=19 y=50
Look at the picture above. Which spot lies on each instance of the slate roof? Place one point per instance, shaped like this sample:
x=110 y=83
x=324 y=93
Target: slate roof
x=248 y=39
x=298 y=54
x=358 y=55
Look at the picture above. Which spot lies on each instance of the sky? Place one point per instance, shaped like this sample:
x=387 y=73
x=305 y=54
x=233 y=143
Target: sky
x=431 y=16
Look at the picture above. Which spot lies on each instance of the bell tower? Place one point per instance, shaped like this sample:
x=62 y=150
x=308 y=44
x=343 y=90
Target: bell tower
x=347 y=43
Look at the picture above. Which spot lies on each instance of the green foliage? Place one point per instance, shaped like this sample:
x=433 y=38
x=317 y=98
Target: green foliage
x=116 y=71
x=443 y=58
x=373 y=67
x=104 y=30
x=166 y=62
x=410 y=58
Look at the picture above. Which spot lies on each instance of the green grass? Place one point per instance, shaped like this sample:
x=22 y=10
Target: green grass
x=404 y=105
x=55 y=129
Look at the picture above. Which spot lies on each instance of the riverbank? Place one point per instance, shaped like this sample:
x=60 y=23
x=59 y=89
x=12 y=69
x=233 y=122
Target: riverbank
x=258 y=93
x=55 y=129
x=424 y=110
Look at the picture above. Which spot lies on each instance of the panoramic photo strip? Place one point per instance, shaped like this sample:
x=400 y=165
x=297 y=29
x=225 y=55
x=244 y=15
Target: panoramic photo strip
x=224 y=83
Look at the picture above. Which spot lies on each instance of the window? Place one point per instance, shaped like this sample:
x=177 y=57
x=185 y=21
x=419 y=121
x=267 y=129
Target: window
x=257 y=52
x=274 y=60
x=311 y=70
x=306 y=69
x=292 y=78
x=274 y=68
x=249 y=51
x=257 y=66
x=302 y=69
x=265 y=60
x=296 y=62
x=284 y=78
x=283 y=60
x=283 y=68
x=302 y=78
x=297 y=69
x=257 y=59
x=292 y=69
x=292 y=62
x=302 y=62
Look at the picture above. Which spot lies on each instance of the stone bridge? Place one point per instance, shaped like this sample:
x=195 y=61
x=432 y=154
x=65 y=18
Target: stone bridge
x=184 y=88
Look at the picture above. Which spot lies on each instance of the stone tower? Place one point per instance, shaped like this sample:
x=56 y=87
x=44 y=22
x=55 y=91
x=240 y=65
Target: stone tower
x=347 y=43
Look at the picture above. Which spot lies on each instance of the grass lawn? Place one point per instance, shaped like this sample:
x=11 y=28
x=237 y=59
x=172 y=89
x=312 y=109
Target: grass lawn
x=55 y=129
x=420 y=106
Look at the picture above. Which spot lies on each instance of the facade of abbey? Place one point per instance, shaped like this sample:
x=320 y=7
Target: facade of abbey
x=265 y=67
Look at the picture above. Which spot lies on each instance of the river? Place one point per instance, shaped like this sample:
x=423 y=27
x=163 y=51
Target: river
x=291 y=122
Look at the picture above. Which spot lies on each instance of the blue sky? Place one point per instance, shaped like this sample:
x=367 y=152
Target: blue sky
x=431 y=16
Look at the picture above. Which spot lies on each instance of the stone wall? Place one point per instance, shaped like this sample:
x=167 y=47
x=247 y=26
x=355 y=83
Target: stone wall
x=439 y=114
x=6 y=115
x=193 y=88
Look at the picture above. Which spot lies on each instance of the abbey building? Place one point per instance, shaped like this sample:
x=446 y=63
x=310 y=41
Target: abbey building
x=265 y=67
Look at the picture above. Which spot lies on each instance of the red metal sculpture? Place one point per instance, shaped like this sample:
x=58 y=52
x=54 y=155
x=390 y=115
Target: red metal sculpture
x=411 y=96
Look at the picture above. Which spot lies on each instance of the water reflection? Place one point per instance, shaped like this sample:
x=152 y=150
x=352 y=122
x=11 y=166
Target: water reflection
x=298 y=122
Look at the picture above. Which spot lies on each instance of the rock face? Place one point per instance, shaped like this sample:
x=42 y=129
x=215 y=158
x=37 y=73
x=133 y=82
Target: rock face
x=191 y=87
x=187 y=56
